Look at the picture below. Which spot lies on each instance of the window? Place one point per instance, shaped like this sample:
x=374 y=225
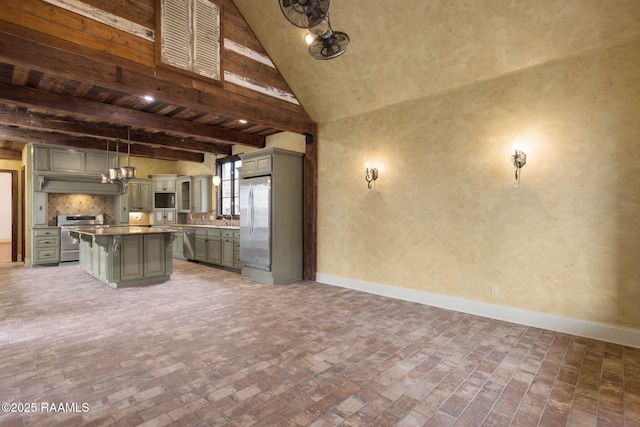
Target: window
x=189 y=36
x=228 y=193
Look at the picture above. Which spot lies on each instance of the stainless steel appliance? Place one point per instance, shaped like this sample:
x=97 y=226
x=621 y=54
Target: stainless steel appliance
x=189 y=243
x=255 y=222
x=69 y=246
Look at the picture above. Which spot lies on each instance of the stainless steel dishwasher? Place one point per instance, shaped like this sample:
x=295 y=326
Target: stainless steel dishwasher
x=189 y=243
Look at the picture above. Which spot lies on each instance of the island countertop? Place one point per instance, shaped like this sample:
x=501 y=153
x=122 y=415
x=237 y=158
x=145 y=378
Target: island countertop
x=121 y=230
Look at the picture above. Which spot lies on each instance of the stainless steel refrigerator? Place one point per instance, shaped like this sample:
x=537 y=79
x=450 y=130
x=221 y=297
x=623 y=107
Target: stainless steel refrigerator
x=255 y=222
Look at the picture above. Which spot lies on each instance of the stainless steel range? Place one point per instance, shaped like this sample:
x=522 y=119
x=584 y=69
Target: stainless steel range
x=68 y=245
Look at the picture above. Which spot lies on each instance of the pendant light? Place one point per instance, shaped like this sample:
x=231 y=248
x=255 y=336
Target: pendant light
x=104 y=178
x=128 y=172
x=115 y=173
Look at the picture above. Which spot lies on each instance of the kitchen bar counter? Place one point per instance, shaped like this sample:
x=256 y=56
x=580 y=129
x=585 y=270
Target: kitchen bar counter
x=126 y=256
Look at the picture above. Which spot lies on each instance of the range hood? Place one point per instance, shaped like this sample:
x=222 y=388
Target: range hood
x=55 y=182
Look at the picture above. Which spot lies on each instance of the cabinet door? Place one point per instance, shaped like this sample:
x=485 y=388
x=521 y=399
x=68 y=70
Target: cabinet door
x=183 y=194
x=154 y=255
x=200 y=250
x=169 y=216
x=122 y=208
x=134 y=196
x=131 y=257
x=97 y=163
x=227 y=252
x=145 y=196
x=158 y=216
x=197 y=195
x=178 y=245
x=67 y=161
x=213 y=250
x=40 y=208
x=41 y=159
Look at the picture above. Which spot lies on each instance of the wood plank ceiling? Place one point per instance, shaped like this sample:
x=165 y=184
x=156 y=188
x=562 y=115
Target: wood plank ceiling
x=72 y=81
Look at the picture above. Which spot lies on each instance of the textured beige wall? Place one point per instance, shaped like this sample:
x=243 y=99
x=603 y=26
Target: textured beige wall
x=445 y=217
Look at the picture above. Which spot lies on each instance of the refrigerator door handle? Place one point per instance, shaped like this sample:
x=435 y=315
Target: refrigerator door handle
x=251 y=215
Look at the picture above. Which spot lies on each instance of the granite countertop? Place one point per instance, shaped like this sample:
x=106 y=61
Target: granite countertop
x=115 y=230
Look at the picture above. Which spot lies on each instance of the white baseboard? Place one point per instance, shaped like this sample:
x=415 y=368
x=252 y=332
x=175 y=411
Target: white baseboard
x=599 y=331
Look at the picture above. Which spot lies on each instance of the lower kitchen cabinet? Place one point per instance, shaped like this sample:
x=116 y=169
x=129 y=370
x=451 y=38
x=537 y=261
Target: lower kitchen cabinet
x=217 y=246
x=164 y=216
x=46 y=246
x=207 y=245
x=230 y=242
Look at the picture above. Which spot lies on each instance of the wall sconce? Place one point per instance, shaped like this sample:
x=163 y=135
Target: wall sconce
x=371 y=175
x=519 y=159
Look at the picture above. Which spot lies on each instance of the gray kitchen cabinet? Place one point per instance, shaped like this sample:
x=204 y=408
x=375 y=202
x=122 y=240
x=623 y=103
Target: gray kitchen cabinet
x=40 y=204
x=97 y=162
x=257 y=165
x=226 y=257
x=164 y=216
x=201 y=187
x=41 y=158
x=155 y=262
x=194 y=193
x=208 y=245
x=67 y=161
x=121 y=209
x=183 y=194
x=131 y=257
x=46 y=245
x=139 y=193
x=164 y=183
x=136 y=199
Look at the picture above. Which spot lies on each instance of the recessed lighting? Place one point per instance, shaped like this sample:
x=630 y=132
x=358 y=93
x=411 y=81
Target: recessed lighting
x=243 y=121
x=148 y=98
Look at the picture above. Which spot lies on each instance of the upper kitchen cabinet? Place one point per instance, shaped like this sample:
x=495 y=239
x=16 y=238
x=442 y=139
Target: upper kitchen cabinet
x=139 y=193
x=183 y=194
x=164 y=183
x=71 y=161
x=194 y=193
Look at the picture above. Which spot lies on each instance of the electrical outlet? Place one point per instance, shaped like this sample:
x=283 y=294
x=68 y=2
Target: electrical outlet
x=494 y=289
x=212 y=217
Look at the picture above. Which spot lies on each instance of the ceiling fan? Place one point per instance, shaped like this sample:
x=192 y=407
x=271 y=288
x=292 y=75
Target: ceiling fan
x=314 y=15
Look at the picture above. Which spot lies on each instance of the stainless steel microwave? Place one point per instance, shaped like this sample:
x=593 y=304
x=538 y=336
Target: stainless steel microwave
x=164 y=200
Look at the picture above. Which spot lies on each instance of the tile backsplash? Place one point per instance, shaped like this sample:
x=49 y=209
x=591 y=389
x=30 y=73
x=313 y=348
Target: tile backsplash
x=80 y=204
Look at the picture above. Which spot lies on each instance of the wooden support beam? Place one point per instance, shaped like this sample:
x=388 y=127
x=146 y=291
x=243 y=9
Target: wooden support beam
x=10 y=154
x=62 y=140
x=27 y=120
x=310 y=205
x=37 y=51
x=98 y=111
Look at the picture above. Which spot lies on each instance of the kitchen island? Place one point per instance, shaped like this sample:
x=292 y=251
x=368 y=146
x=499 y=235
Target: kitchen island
x=126 y=256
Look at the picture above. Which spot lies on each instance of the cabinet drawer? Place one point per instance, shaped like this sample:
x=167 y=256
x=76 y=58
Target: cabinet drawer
x=47 y=255
x=47 y=241
x=227 y=233
x=46 y=232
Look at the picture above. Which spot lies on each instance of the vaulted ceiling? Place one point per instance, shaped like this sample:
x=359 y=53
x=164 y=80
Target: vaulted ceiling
x=72 y=76
x=79 y=83
x=405 y=50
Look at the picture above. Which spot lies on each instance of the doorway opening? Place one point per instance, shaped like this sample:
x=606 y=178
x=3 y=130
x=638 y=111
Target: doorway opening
x=8 y=216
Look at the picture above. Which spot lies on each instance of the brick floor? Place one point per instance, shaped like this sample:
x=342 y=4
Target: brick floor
x=211 y=349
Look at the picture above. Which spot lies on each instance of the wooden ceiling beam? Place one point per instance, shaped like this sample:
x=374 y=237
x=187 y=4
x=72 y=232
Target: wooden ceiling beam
x=6 y=154
x=27 y=120
x=40 y=52
x=62 y=140
x=96 y=111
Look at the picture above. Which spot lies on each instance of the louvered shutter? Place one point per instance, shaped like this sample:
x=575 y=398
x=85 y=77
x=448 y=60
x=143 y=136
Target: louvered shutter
x=190 y=36
x=176 y=37
x=206 y=46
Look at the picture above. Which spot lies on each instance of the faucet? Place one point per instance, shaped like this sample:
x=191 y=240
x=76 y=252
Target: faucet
x=226 y=222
